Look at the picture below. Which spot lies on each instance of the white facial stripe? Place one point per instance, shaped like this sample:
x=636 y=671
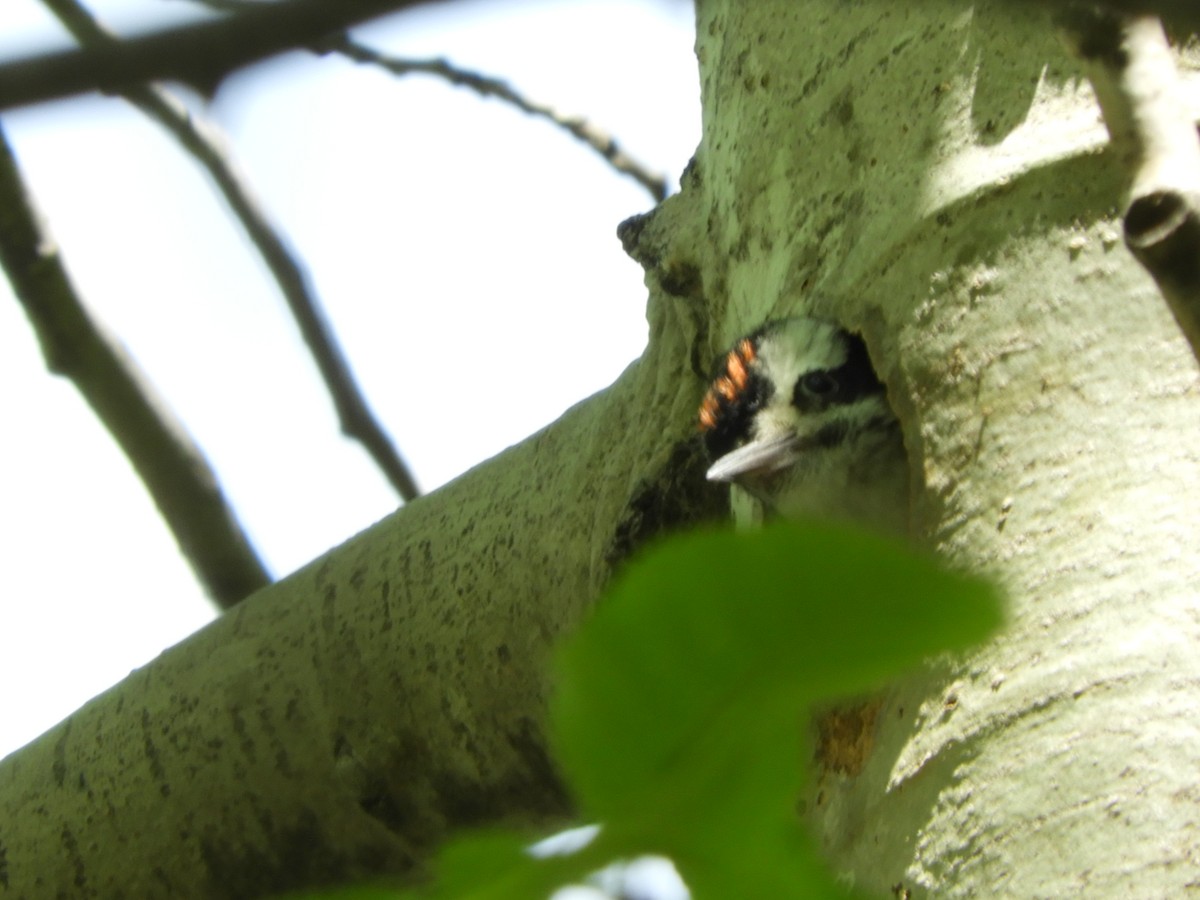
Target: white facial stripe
x=796 y=347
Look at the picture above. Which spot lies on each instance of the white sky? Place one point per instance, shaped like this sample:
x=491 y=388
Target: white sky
x=464 y=253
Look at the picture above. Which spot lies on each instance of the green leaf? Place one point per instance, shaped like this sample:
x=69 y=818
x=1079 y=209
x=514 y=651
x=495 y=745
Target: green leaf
x=489 y=864
x=679 y=707
x=716 y=631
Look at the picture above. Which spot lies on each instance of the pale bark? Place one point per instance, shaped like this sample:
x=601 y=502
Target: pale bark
x=931 y=172
x=339 y=723
x=1129 y=63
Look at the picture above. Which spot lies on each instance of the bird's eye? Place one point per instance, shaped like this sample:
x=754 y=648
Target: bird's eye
x=818 y=384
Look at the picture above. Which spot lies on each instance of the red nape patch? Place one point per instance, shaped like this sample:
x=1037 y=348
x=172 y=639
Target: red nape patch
x=726 y=388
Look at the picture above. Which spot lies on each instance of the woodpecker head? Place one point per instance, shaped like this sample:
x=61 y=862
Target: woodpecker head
x=795 y=414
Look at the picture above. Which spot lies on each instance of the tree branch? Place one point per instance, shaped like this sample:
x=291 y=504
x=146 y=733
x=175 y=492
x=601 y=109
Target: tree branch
x=170 y=465
x=356 y=418
x=1129 y=63
x=200 y=55
x=576 y=126
x=339 y=725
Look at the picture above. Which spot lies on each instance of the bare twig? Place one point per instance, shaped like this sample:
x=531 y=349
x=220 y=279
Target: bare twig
x=356 y=418
x=170 y=465
x=1129 y=63
x=578 y=127
x=200 y=55
x=595 y=138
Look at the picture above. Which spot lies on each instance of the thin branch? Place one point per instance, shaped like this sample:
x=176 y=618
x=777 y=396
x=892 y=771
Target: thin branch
x=595 y=138
x=200 y=55
x=1129 y=63
x=578 y=127
x=354 y=414
x=170 y=465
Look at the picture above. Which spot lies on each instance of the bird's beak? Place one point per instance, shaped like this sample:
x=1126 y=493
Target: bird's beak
x=760 y=457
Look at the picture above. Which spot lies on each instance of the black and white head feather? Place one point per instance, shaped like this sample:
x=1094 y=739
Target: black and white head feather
x=796 y=415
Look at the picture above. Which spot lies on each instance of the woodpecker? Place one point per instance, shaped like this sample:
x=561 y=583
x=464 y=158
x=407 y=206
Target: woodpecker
x=796 y=416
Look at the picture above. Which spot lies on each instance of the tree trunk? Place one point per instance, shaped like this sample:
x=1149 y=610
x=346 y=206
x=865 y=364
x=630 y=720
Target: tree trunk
x=932 y=173
x=339 y=723
x=928 y=172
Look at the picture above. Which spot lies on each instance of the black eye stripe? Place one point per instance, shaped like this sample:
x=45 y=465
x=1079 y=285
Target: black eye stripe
x=741 y=385
x=851 y=381
x=818 y=384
